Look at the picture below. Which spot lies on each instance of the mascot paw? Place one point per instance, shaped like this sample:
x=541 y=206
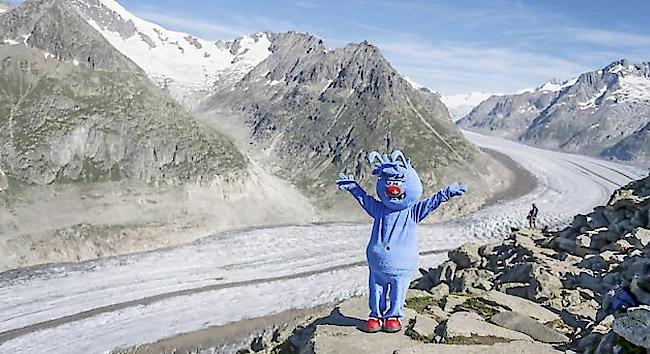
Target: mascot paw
x=346 y=182
x=456 y=189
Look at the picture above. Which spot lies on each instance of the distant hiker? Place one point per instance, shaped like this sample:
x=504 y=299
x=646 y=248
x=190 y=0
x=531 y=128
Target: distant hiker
x=532 y=217
x=392 y=251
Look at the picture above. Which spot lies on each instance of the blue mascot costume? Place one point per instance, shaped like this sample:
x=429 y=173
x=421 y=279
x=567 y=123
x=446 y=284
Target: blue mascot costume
x=392 y=251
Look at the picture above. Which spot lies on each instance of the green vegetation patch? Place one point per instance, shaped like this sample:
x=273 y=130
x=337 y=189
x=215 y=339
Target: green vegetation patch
x=477 y=306
x=476 y=340
x=421 y=304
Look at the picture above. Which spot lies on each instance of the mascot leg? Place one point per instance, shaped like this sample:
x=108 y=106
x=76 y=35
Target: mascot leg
x=399 y=285
x=377 y=299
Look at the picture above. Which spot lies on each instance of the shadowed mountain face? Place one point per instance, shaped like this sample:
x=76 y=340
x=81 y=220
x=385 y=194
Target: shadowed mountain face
x=604 y=113
x=317 y=112
x=72 y=108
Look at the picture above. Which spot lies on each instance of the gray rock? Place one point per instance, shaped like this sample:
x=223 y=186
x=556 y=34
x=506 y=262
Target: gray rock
x=544 y=286
x=642 y=235
x=471 y=325
x=634 y=326
x=640 y=287
x=519 y=273
x=527 y=325
x=472 y=280
x=605 y=325
x=583 y=241
x=606 y=344
x=620 y=246
x=440 y=291
x=424 y=327
x=514 y=303
x=466 y=255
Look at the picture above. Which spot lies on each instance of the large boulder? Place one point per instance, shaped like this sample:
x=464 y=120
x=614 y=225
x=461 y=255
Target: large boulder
x=521 y=323
x=472 y=328
x=515 y=303
x=466 y=255
x=634 y=326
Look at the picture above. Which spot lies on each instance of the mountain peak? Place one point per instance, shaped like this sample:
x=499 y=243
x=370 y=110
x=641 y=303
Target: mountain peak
x=555 y=85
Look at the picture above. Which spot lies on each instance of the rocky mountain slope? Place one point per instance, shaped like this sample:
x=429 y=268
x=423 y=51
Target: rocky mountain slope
x=191 y=69
x=534 y=292
x=76 y=109
x=315 y=112
x=97 y=160
x=603 y=113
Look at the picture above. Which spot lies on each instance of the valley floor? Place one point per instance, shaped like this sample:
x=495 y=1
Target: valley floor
x=97 y=306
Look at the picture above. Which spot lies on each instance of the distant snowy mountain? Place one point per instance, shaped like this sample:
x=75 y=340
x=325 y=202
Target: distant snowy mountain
x=4 y=6
x=604 y=112
x=179 y=62
x=460 y=105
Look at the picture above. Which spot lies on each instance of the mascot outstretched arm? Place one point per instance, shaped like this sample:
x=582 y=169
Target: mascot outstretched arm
x=392 y=251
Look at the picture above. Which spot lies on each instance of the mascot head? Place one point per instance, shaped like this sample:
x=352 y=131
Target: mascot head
x=398 y=186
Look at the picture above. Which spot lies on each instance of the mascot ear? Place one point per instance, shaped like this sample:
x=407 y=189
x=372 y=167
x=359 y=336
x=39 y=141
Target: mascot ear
x=374 y=155
x=397 y=155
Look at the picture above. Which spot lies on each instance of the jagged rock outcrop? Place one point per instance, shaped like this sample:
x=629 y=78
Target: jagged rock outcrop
x=578 y=115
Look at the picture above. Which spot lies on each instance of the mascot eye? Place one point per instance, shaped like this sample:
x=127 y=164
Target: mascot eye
x=393 y=183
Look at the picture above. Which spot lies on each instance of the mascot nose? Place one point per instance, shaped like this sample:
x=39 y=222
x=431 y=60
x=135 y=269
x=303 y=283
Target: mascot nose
x=393 y=191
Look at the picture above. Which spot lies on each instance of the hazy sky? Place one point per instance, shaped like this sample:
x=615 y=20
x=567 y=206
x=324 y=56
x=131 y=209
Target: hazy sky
x=453 y=46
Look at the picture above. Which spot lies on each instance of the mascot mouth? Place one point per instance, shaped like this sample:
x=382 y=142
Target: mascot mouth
x=394 y=190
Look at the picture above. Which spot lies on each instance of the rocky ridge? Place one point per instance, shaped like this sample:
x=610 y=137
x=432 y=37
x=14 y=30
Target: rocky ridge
x=604 y=113
x=314 y=112
x=535 y=292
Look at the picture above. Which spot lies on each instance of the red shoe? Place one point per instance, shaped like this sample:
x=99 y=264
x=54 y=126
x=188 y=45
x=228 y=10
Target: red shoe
x=392 y=325
x=373 y=325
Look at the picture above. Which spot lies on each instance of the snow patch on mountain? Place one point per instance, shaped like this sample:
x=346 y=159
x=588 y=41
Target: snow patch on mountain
x=557 y=85
x=460 y=105
x=592 y=102
x=634 y=88
x=183 y=64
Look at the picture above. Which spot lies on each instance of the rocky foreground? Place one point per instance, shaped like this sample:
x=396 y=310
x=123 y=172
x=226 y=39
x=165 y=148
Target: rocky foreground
x=534 y=292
